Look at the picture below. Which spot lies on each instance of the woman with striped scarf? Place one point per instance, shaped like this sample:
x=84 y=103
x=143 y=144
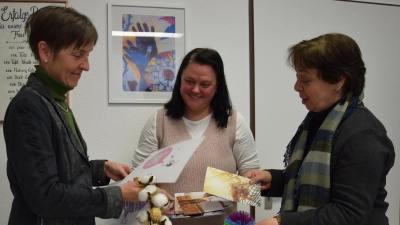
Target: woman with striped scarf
x=337 y=162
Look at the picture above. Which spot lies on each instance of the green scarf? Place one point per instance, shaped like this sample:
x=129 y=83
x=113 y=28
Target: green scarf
x=58 y=91
x=307 y=182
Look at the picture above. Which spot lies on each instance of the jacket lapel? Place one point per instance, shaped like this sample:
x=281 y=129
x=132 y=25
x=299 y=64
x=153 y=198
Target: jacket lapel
x=35 y=84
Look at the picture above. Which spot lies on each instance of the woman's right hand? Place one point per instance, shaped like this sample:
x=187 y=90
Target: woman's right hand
x=130 y=191
x=170 y=209
x=262 y=176
x=268 y=221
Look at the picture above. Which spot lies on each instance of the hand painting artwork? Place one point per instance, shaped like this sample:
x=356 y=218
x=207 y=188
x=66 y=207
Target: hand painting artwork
x=148 y=61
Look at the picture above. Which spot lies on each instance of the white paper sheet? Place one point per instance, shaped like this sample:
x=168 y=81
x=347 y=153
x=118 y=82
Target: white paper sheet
x=166 y=164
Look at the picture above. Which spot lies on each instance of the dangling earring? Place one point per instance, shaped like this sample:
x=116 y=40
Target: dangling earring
x=337 y=90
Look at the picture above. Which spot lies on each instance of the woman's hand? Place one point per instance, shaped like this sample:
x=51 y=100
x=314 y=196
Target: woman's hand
x=116 y=171
x=262 y=176
x=170 y=209
x=268 y=221
x=130 y=191
x=167 y=194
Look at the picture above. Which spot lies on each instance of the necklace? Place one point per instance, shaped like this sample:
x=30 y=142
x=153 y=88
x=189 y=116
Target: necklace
x=66 y=106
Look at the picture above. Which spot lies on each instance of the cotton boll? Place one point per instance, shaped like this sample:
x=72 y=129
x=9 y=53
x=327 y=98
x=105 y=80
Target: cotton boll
x=159 y=200
x=155 y=214
x=152 y=189
x=153 y=179
x=164 y=217
x=164 y=220
x=142 y=216
x=147 y=179
x=143 y=195
x=167 y=222
x=166 y=206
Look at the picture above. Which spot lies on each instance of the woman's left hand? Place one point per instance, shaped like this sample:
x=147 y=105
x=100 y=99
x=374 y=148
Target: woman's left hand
x=116 y=171
x=268 y=221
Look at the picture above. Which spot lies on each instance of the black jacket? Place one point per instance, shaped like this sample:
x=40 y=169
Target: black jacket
x=50 y=175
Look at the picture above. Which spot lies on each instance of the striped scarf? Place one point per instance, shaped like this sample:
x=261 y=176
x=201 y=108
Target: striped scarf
x=307 y=182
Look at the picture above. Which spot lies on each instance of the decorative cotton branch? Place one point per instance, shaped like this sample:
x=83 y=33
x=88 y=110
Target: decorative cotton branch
x=158 y=202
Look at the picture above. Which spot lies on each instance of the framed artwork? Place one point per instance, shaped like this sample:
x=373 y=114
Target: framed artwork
x=16 y=59
x=146 y=45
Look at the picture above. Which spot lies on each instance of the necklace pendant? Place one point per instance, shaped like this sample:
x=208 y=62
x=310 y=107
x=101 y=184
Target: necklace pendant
x=66 y=107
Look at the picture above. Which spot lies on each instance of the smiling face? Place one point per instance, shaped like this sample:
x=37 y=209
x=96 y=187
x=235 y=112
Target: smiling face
x=198 y=86
x=316 y=94
x=67 y=65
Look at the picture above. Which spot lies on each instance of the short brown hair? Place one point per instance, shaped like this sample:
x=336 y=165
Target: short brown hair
x=59 y=27
x=333 y=55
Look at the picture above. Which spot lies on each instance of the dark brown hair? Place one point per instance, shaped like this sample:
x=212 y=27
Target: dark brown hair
x=59 y=27
x=221 y=102
x=333 y=55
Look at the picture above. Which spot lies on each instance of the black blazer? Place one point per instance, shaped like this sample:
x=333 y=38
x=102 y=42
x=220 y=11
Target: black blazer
x=50 y=175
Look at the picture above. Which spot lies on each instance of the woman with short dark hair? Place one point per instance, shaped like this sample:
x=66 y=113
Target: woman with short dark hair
x=49 y=171
x=338 y=160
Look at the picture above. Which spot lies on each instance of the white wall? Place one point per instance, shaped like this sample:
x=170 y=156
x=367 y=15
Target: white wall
x=112 y=130
x=282 y=23
x=387 y=2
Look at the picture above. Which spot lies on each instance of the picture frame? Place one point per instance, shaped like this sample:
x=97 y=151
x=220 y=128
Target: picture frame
x=16 y=59
x=145 y=52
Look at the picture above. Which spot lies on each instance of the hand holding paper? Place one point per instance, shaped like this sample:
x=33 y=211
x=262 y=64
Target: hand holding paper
x=130 y=191
x=116 y=171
